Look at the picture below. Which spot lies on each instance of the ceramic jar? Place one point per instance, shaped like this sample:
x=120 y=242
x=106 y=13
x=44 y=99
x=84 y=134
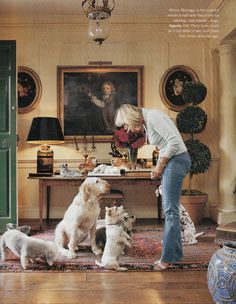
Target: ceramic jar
x=221 y=274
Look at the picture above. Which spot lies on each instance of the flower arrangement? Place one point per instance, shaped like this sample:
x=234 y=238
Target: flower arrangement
x=124 y=139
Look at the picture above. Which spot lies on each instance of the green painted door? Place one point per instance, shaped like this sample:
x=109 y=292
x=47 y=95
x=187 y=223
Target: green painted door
x=8 y=193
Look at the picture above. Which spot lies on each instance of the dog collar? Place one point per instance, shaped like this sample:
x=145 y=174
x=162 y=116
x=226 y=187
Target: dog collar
x=119 y=223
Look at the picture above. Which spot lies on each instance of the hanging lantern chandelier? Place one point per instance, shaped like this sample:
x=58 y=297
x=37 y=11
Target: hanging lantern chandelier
x=98 y=13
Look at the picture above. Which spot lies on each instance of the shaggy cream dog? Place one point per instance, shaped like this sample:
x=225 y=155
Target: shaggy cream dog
x=116 y=240
x=27 y=248
x=80 y=218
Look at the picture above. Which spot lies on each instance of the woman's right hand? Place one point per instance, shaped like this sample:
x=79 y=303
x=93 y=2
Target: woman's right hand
x=160 y=167
x=157 y=172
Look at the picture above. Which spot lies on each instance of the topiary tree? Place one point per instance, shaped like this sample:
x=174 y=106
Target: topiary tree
x=192 y=120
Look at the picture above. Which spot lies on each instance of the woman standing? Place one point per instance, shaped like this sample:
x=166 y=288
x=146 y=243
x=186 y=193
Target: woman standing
x=173 y=165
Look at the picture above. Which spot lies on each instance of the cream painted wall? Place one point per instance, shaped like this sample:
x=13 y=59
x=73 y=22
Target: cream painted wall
x=44 y=47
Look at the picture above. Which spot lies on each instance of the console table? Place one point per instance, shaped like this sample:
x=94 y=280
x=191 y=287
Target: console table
x=45 y=184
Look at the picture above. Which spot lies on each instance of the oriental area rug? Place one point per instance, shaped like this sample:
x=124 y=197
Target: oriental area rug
x=146 y=248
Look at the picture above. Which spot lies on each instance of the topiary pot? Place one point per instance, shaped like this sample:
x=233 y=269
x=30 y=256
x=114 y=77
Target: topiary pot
x=195 y=206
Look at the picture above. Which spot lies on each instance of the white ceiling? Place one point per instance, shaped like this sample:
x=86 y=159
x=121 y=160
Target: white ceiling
x=122 y=7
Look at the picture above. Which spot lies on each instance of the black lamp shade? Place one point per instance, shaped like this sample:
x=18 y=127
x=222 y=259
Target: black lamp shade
x=45 y=130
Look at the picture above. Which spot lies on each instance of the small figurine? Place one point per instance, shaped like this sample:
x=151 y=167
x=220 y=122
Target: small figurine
x=66 y=172
x=88 y=165
x=115 y=152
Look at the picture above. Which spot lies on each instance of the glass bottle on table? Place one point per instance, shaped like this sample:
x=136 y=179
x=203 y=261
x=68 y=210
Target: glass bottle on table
x=155 y=155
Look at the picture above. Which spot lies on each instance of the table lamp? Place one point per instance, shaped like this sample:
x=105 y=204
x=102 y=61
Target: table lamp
x=45 y=131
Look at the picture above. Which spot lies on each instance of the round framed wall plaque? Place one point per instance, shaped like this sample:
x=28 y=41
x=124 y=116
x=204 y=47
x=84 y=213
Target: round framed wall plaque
x=29 y=89
x=172 y=83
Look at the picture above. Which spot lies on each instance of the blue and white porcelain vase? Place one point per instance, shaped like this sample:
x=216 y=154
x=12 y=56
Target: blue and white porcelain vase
x=221 y=274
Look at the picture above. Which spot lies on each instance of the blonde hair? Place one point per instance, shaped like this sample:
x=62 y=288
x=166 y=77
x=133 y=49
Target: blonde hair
x=130 y=115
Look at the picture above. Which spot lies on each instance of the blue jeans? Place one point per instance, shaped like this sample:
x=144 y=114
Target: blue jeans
x=171 y=181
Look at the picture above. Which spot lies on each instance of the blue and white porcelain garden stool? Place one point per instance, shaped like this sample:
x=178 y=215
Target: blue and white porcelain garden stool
x=221 y=274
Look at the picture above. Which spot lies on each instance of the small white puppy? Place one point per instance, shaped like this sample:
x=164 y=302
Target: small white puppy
x=81 y=217
x=27 y=248
x=125 y=220
x=116 y=240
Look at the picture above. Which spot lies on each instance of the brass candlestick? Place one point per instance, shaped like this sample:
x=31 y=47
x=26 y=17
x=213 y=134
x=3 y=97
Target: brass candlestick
x=86 y=151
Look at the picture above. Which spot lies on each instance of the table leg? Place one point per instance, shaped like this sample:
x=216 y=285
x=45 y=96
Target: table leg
x=48 y=202
x=41 y=199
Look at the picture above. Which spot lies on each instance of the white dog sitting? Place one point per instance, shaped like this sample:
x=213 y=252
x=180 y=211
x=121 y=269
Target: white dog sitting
x=27 y=248
x=81 y=217
x=124 y=219
x=116 y=240
x=188 y=230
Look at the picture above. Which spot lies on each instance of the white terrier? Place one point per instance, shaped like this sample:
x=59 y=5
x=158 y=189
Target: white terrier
x=125 y=220
x=81 y=217
x=116 y=240
x=27 y=248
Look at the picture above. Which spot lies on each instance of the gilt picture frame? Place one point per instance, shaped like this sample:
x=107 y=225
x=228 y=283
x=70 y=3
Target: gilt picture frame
x=29 y=89
x=88 y=97
x=172 y=83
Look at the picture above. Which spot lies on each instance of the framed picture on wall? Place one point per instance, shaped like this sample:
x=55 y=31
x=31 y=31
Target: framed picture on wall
x=88 y=97
x=172 y=83
x=29 y=89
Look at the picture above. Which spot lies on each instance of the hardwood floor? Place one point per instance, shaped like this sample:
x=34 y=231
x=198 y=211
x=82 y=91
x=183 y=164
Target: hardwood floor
x=170 y=286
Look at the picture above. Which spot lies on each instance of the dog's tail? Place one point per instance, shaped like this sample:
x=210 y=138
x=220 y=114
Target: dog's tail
x=194 y=240
x=198 y=234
